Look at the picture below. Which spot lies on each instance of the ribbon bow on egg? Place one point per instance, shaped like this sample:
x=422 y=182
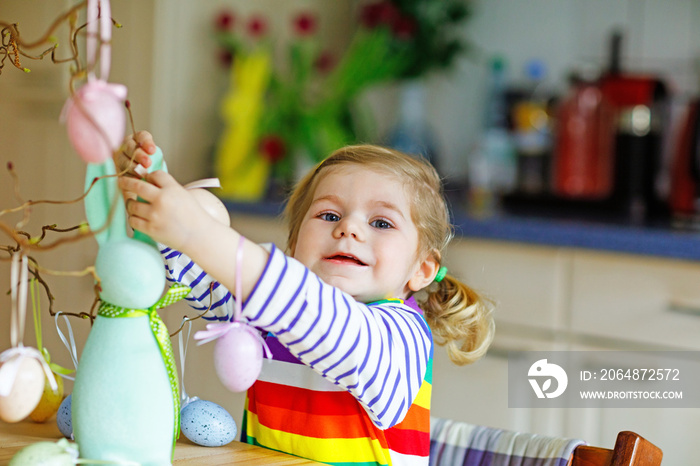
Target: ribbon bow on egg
x=24 y=371
x=239 y=347
x=94 y=114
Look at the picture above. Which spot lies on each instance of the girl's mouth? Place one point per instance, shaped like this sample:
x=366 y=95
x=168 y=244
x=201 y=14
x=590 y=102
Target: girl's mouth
x=345 y=259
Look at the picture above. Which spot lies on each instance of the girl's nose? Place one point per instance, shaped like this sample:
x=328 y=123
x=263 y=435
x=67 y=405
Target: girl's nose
x=348 y=227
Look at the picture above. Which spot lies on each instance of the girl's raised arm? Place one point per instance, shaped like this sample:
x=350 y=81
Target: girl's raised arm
x=172 y=216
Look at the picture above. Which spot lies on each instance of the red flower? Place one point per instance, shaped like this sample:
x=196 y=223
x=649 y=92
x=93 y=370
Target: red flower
x=224 y=21
x=225 y=57
x=272 y=147
x=257 y=26
x=325 y=62
x=305 y=24
x=379 y=14
x=404 y=28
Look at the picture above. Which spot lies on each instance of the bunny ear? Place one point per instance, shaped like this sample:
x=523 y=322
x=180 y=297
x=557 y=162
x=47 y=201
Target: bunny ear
x=104 y=206
x=157 y=163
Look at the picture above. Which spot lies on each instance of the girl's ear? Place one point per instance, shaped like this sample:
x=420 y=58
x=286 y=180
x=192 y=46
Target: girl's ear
x=425 y=273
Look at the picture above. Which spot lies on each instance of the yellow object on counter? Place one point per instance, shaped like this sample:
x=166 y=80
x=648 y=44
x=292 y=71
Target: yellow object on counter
x=242 y=170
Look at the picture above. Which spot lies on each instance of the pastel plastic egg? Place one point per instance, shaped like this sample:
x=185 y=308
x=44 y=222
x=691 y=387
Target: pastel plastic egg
x=212 y=205
x=26 y=391
x=50 y=401
x=96 y=120
x=131 y=272
x=61 y=453
x=207 y=424
x=238 y=359
x=64 y=418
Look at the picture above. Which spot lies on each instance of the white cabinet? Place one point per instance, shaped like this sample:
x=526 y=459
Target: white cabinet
x=553 y=298
x=527 y=283
x=638 y=301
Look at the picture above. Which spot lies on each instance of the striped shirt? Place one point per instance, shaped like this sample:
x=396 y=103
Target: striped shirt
x=371 y=405
x=207 y=295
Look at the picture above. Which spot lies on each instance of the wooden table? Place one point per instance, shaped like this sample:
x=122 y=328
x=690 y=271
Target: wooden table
x=13 y=437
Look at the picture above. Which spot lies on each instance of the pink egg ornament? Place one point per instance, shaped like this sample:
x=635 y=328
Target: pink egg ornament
x=238 y=358
x=96 y=120
x=26 y=390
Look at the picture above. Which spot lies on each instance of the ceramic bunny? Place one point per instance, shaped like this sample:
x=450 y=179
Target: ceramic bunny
x=125 y=401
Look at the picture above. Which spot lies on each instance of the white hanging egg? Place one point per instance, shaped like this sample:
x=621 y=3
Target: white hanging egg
x=26 y=390
x=212 y=205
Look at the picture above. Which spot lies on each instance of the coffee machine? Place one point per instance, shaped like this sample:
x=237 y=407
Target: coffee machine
x=641 y=106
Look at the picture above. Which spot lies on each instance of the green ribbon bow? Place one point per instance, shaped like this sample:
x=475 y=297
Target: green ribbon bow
x=160 y=332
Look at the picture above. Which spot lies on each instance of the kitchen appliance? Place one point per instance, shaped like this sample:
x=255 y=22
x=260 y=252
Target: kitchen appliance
x=640 y=104
x=685 y=166
x=584 y=137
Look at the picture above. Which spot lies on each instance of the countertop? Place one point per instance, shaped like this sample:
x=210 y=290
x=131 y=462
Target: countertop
x=658 y=238
x=14 y=437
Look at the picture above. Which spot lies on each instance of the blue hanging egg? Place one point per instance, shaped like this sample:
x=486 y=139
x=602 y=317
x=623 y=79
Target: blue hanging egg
x=64 y=419
x=207 y=424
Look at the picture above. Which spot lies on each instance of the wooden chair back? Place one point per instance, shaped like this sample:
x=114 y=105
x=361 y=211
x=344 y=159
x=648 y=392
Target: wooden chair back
x=631 y=449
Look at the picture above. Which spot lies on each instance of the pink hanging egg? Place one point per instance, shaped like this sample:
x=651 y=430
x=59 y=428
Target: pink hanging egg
x=238 y=358
x=26 y=390
x=96 y=120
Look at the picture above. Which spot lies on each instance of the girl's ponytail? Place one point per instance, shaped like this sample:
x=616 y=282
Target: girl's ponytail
x=461 y=320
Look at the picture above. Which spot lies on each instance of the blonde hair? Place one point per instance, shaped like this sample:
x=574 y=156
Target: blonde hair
x=459 y=317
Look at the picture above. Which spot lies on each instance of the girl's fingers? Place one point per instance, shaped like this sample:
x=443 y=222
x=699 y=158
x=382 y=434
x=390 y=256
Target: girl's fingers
x=161 y=179
x=143 y=138
x=143 y=189
x=137 y=209
x=137 y=149
x=138 y=223
x=129 y=157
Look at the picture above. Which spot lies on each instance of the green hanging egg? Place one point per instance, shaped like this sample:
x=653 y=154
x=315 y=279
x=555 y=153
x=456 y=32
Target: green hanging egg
x=61 y=453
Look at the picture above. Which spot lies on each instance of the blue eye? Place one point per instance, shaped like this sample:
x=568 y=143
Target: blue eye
x=381 y=224
x=329 y=217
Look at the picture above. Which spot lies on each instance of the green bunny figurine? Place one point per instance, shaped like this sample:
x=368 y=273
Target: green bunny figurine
x=125 y=398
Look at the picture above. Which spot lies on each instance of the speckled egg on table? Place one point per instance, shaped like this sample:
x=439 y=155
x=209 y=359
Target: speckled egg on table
x=207 y=424
x=64 y=420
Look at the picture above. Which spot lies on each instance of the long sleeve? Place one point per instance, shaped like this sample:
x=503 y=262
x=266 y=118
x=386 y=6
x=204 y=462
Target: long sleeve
x=206 y=292
x=376 y=352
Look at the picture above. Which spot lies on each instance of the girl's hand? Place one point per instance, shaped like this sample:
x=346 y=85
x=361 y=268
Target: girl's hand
x=170 y=215
x=136 y=150
x=173 y=216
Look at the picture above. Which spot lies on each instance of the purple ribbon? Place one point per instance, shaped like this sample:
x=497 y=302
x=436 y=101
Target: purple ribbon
x=219 y=329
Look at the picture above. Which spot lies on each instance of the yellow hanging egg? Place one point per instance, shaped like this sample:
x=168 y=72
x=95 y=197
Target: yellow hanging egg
x=50 y=401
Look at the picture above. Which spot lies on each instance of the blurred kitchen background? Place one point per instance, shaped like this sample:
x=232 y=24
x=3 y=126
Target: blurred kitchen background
x=575 y=111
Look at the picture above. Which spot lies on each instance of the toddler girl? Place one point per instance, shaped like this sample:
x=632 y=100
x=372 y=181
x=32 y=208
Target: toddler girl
x=350 y=378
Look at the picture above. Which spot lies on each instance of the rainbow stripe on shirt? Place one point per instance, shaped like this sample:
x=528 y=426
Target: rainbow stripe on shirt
x=365 y=381
x=292 y=409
